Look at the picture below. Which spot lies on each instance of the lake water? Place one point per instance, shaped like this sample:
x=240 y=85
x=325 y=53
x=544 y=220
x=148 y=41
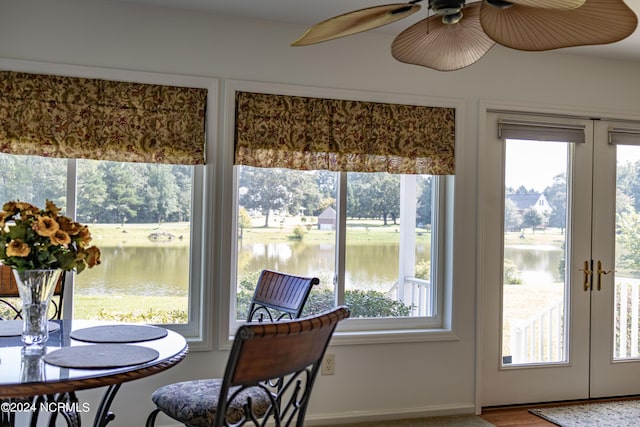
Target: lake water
x=164 y=270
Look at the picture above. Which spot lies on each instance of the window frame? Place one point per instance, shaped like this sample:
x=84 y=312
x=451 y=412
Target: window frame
x=199 y=329
x=352 y=331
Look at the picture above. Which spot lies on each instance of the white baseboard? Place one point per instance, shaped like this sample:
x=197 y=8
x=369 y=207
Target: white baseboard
x=366 y=416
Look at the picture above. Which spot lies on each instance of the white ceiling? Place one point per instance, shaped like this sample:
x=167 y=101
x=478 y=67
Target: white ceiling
x=309 y=12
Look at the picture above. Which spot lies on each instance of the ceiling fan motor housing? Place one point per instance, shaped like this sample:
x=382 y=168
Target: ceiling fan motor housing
x=446 y=7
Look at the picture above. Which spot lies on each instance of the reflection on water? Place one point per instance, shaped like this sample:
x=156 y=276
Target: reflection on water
x=368 y=265
x=537 y=264
x=165 y=270
x=137 y=270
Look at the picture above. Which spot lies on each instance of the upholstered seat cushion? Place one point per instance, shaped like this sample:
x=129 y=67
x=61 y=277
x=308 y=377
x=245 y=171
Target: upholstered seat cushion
x=194 y=403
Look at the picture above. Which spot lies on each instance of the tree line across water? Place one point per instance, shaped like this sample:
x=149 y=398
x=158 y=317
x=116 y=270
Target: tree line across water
x=113 y=192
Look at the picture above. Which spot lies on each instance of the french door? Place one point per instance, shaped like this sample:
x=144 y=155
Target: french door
x=560 y=259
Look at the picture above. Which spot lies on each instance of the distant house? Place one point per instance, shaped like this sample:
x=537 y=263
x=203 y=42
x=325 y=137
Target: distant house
x=535 y=201
x=327 y=219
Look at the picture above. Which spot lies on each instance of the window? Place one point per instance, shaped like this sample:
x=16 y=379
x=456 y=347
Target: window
x=145 y=213
x=140 y=216
x=379 y=242
x=290 y=220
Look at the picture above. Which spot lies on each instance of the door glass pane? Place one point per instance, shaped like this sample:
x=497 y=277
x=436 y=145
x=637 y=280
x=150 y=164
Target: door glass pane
x=535 y=219
x=140 y=218
x=627 y=248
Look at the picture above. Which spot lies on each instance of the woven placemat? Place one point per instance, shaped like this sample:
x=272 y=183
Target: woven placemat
x=13 y=328
x=100 y=356
x=118 y=333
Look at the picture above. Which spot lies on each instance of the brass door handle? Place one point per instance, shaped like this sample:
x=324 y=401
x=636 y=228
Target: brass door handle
x=600 y=273
x=587 y=274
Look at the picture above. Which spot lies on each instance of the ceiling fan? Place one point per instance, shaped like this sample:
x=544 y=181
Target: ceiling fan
x=457 y=34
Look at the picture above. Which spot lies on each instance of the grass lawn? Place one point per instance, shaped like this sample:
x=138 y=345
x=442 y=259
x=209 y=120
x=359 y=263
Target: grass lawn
x=150 y=309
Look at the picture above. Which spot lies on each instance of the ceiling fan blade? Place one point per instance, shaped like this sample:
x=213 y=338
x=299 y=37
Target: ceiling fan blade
x=550 y=4
x=533 y=29
x=356 y=22
x=430 y=43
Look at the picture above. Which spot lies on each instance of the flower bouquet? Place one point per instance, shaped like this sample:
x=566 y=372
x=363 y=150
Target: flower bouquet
x=41 y=239
x=38 y=244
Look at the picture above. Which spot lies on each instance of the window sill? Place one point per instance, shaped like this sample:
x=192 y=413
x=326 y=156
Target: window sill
x=392 y=336
x=377 y=337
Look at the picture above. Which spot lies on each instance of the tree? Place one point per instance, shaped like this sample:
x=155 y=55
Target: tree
x=524 y=190
x=374 y=195
x=161 y=193
x=532 y=218
x=423 y=213
x=92 y=191
x=244 y=221
x=123 y=199
x=556 y=195
x=629 y=237
x=265 y=189
x=512 y=217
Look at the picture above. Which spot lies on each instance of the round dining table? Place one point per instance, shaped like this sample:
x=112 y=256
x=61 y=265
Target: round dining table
x=78 y=355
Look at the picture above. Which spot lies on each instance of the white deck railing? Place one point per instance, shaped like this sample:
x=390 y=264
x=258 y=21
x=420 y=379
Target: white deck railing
x=417 y=294
x=627 y=303
x=541 y=338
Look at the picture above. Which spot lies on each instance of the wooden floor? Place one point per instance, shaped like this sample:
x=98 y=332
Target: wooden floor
x=519 y=416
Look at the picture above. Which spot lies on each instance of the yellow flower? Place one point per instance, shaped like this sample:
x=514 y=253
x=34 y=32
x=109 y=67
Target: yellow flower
x=93 y=256
x=84 y=235
x=18 y=248
x=46 y=226
x=3 y=217
x=51 y=207
x=70 y=227
x=60 y=238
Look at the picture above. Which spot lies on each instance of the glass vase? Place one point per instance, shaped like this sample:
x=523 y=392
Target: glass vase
x=36 y=289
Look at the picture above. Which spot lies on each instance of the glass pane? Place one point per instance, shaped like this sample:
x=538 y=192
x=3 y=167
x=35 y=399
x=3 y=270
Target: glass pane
x=139 y=216
x=33 y=179
x=286 y=222
x=388 y=262
x=627 y=248
x=535 y=217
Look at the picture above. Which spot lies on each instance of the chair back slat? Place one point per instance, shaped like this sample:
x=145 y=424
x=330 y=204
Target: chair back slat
x=276 y=349
x=284 y=293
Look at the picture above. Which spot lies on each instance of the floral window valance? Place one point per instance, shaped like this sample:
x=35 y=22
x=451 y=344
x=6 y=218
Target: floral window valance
x=68 y=117
x=340 y=135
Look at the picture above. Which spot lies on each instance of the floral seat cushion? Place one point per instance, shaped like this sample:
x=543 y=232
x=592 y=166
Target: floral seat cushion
x=194 y=403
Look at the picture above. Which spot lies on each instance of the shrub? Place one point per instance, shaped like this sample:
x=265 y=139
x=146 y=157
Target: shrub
x=511 y=274
x=299 y=232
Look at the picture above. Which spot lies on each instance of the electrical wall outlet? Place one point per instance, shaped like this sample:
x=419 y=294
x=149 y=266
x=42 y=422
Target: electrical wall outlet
x=328 y=364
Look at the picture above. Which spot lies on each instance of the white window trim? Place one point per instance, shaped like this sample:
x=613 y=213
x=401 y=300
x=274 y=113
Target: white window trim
x=350 y=332
x=199 y=330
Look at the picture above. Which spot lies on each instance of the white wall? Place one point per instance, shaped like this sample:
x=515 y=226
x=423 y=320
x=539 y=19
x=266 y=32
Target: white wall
x=371 y=380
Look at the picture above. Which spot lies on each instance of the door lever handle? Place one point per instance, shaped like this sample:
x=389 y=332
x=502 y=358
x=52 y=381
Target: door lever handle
x=587 y=274
x=600 y=273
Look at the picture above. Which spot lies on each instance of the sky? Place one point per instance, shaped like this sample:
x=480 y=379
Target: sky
x=535 y=163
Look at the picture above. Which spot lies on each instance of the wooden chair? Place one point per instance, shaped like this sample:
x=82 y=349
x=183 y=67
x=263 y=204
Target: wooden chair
x=9 y=296
x=268 y=379
x=280 y=296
